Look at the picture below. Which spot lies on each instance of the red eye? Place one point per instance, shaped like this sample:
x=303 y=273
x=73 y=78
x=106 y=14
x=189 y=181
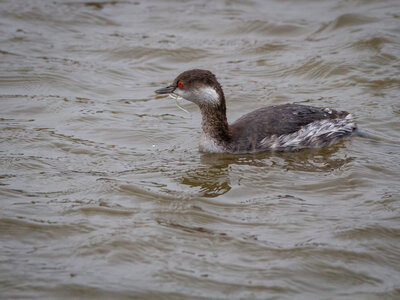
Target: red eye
x=180 y=84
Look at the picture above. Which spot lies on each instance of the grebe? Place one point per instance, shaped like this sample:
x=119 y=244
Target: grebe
x=285 y=127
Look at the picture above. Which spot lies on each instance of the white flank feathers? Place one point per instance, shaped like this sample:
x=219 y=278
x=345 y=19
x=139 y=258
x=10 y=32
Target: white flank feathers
x=316 y=134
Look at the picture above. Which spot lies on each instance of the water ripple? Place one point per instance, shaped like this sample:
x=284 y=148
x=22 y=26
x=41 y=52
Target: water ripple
x=105 y=194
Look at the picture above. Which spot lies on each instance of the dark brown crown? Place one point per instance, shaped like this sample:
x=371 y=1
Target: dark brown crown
x=197 y=76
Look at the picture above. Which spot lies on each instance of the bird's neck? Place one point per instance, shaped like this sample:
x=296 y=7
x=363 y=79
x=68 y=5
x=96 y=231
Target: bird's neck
x=214 y=122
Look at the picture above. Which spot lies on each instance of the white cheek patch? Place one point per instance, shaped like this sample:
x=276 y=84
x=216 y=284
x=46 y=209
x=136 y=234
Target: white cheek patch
x=207 y=95
x=204 y=95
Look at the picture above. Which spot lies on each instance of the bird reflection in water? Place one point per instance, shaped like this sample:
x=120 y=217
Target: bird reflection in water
x=212 y=177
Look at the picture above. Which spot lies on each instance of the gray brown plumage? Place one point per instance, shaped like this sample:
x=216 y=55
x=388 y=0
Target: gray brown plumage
x=279 y=127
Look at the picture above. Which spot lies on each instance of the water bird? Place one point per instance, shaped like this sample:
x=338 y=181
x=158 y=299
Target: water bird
x=285 y=127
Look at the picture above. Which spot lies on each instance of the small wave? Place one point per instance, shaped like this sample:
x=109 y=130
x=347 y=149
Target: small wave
x=40 y=228
x=346 y=20
x=264 y=27
x=146 y=54
x=375 y=43
x=317 y=68
x=101 y=210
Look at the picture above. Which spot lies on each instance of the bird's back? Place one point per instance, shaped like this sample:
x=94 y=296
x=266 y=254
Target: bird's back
x=305 y=125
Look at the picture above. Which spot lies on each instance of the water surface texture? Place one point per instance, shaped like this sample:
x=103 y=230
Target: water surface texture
x=104 y=194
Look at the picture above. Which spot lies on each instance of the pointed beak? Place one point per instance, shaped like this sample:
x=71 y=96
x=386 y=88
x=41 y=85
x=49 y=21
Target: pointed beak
x=166 y=90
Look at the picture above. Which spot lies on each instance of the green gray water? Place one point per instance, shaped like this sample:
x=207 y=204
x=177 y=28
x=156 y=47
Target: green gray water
x=104 y=194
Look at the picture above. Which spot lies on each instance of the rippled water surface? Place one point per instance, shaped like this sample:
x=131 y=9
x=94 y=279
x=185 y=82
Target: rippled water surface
x=104 y=194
